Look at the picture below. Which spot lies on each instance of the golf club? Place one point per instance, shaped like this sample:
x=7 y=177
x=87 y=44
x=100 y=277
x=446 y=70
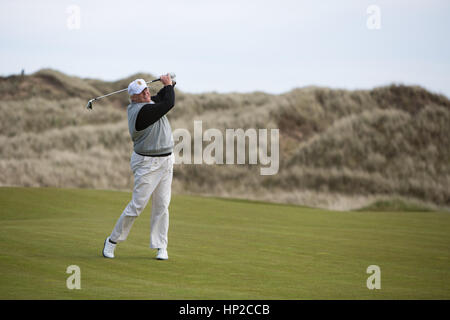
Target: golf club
x=89 y=104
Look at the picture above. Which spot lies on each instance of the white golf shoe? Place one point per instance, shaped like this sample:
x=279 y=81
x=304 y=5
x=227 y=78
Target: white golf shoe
x=162 y=254
x=108 y=249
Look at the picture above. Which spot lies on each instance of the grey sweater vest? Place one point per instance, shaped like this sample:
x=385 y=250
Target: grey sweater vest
x=156 y=139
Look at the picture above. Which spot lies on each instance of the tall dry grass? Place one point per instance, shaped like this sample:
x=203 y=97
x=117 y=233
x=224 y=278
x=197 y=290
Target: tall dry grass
x=335 y=145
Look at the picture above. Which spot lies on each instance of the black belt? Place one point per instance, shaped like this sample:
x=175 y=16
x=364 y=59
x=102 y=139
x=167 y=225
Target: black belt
x=155 y=155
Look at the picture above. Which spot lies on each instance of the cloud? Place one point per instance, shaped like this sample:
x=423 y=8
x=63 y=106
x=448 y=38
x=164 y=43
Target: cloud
x=211 y=44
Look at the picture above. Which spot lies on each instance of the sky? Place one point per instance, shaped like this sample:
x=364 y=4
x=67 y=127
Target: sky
x=234 y=45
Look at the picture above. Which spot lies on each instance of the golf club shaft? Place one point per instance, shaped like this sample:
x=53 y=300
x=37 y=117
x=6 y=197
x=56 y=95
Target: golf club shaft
x=89 y=104
x=118 y=91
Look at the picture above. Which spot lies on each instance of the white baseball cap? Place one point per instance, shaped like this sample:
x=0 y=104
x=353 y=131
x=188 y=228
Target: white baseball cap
x=136 y=86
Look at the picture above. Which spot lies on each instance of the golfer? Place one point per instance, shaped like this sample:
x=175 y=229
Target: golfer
x=151 y=162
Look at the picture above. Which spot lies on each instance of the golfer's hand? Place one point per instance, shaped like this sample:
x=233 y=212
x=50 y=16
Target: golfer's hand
x=166 y=80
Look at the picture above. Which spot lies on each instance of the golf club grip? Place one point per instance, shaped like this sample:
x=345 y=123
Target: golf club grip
x=172 y=75
x=153 y=81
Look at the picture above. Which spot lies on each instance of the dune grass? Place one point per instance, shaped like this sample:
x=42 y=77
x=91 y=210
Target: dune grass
x=218 y=249
x=396 y=205
x=387 y=141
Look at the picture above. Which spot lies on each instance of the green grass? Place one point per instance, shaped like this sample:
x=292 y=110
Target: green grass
x=218 y=248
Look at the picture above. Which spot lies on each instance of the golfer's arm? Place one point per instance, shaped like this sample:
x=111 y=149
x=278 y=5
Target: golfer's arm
x=160 y=95
x=150 y=113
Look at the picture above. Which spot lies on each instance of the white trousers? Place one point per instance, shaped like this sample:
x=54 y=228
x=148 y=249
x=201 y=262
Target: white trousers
x=152 y=177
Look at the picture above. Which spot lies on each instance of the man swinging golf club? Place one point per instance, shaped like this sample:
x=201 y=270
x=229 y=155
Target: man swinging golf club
x=151 y=162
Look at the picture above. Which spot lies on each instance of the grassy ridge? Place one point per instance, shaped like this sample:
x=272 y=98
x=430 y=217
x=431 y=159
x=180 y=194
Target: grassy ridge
x=338 y=148
x=219 y=249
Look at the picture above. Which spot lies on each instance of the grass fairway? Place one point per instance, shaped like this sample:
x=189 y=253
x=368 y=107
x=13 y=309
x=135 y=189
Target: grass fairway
x=218 y=249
